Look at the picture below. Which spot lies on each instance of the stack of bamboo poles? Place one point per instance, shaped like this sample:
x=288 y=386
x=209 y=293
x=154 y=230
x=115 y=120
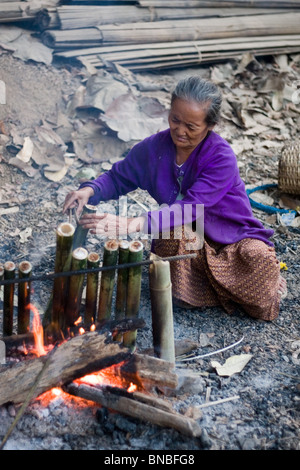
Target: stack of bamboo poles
x=11 y=11
x=158 y=35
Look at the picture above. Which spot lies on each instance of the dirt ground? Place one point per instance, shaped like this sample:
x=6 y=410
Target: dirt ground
x=262 y=411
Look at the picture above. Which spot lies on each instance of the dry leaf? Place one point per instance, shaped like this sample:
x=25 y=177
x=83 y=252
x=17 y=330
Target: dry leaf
x=232 y=365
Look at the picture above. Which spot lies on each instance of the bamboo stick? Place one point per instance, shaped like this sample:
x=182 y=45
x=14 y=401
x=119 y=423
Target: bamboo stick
x=81 y=233
x=136 y=249
x=25 y=269
x=8 y=299
x=64 y=241
x=93 y=261
x=162 y=309
x=110 y=258
x=122 y=280
x=75 y=288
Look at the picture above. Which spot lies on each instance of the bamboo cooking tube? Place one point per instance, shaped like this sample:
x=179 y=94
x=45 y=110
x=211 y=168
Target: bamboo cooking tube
x=8 y=299
x=93 y=261
x=72 y=311
x=136 y=249
x=80 y=232
x=122 y=279
x=162 y=309
x=110 y=258
x=25 y=269
x=63 y=259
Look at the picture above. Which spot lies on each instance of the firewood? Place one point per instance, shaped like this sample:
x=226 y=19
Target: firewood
x=130 y=406
x=74 y=358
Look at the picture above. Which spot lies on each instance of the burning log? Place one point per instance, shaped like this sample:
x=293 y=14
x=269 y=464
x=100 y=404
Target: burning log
x=130 y=405
x=25 y=270
x=79 y=262
x=91 y=290
x=8 y=299
x=63 y=259
x=133 y=289
x=82 y=355
x=110 y=258
x=74 y=358
x=162 y=309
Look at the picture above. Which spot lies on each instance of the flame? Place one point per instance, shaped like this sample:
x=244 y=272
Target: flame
x=38 y=331
x=132 y=388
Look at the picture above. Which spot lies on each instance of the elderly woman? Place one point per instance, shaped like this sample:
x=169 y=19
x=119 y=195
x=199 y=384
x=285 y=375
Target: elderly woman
x=183 y=168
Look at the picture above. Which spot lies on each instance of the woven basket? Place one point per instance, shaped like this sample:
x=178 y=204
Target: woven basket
x=289 y=169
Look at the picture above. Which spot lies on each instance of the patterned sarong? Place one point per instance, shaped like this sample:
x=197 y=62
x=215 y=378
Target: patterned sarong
x=245 y=274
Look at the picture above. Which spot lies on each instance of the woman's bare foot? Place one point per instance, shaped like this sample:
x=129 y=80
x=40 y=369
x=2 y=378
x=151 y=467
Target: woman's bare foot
x=282 y=288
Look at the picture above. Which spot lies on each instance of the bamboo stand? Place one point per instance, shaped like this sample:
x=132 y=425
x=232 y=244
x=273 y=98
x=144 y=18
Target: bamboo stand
x=162 y=309
x=110 y=258
x=25 y=270
x=136 y=249
x=72 y=311
x=8 y=299
x=93 y=261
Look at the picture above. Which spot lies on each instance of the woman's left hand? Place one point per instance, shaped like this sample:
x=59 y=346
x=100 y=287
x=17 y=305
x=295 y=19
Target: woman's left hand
x=111 y=225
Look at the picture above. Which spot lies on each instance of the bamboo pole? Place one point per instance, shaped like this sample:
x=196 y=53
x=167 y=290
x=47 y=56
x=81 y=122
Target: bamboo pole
x=110 y=258
x=136 y=249
x=81 y=233
x=122 y=280
x=162 y=309
x=25 y=269
x=93 y=261
x=8 y=299
x=75 y=288
x=64 y=241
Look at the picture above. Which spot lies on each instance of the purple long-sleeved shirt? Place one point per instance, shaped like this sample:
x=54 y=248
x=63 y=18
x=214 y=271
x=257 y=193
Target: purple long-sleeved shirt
x=210 y=177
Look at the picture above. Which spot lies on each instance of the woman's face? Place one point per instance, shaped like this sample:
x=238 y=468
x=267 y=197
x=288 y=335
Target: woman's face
x=187 y=124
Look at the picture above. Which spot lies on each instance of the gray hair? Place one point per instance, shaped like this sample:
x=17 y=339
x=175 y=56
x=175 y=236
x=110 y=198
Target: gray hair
x=200 y=91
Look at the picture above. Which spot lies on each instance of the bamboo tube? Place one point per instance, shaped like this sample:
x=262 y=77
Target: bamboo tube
x=8 y=299
x=81 y=233
x=122 y=280
x=25 y=269
x=136 y=249
x=162 y=309
x=110 y=258
x=91 y=290
x=75 y=288
x=64 y=241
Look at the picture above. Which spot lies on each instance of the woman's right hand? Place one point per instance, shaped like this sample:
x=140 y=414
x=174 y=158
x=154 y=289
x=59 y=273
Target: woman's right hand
x=78 y=199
